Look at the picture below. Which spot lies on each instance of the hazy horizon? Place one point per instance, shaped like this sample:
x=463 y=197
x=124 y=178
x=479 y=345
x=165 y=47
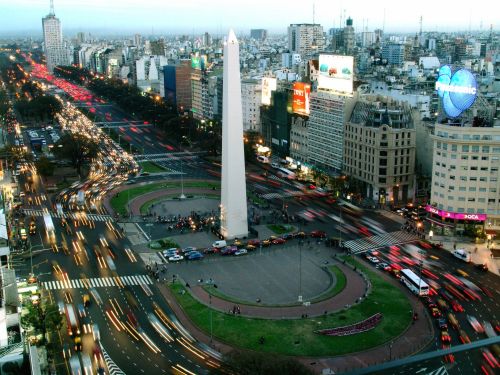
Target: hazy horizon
x=193 y=17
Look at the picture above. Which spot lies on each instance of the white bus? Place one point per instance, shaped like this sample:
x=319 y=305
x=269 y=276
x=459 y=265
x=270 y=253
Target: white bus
x=283 y=172
x=413 y=282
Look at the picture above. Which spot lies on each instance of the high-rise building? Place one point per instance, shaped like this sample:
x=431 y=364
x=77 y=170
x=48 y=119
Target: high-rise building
x=349 y=36
x=394 y=53
x=138 y=40
x=233 y=216
x=157 y=47
x=251 y=98
x=465 y=178
x=207 y=40
x=258 y=34
x=177 y=84
x=305 y=38
x=379 y=149
x=55 y=53
x=325 y=131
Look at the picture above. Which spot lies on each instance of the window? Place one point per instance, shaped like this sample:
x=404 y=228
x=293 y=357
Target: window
x=383 y=153
x=474 y=157
x=481 y=200
x=491 y=200
x=463 y=178
x=465 y=157
x=471 y=199
x=482 y=190
x=493 y=179
x=461 y=188
x=486 y=148
x=484 y=158
x=453 y=147
x=483 y=179
x=453 y=167
x=452 y=177
x=473 y=168
x=450 y=197
x=461 y=199
x=464 y=168
x=472 y=178
x=453 y=156
x=472 y=188
x=465 y=148
x=381 y=180
x=451 y=187
x=438 y=145
x=460 y=209
x=382 y=171
x=475 y=148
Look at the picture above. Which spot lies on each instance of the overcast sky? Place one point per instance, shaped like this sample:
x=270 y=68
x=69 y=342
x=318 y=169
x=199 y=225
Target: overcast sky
x=216 y=16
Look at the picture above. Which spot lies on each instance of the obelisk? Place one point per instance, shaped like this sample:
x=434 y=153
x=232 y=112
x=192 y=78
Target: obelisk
x=234 y=194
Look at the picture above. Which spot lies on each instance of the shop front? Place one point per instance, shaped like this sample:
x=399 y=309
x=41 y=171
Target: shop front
x=448 y=223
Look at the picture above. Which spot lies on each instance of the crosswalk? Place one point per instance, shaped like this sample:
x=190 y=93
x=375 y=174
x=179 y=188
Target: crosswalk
x=112 y=366
x=68 y=215
x=282 y=195
x=381 y=240
x=97 y=282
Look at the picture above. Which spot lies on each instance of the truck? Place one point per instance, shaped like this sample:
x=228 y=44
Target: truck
x=80 y=198
x=49 y=228
x=462 y=254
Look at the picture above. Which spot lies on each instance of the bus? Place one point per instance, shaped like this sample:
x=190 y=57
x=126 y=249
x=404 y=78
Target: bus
x=72 y=320
x=413 y=282
x=349 y=208
x=283 y=172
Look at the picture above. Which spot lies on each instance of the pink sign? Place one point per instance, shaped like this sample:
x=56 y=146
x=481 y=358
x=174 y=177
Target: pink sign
x=455 y=215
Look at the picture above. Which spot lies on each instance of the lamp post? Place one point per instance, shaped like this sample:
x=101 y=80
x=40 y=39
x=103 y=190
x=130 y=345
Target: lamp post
x=300 y=270
x=421 y=253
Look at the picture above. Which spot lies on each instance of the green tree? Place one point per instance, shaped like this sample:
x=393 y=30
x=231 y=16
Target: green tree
x=254 y=363
x=76 y=148
x=42 y=319
x=44 y=166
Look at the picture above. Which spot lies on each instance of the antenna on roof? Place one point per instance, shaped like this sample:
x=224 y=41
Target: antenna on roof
x=52 y=7
x=314 y=14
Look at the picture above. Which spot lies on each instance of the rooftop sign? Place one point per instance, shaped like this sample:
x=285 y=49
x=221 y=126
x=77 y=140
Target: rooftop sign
x=458 y=90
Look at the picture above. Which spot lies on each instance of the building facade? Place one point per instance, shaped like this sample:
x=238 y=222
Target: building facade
x=465 y=177
x=298 y=139
x=394 y=53
x=325 y=131
x=55 y=53
x=379 y=149
x=258 y=34
x=305 y=39
x=251 y=98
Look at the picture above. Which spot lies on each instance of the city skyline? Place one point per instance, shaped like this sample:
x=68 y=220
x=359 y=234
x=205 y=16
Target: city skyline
x=23 y=17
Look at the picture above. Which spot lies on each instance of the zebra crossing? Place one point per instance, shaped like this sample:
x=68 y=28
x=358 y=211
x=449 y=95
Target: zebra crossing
x=113 y=368
x=282 y=195
x=381 y=240
x=97 y=282
x=439 y=371
x=68 y=215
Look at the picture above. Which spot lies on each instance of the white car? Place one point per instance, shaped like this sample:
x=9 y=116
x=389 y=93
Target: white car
x=176 y=258
x=373 y=260
x=275 y=165
x=241 y=252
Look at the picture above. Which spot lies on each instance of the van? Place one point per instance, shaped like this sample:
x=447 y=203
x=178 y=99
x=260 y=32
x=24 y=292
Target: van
x=263 y=159
x=462 y=254
x=219 y=244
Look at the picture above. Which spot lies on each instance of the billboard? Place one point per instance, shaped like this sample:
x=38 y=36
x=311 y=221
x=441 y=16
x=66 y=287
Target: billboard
x=198 y=62
x=336 y=73
x=268 y=86
x=455 y=215
x=458 y=91
x=301 y=92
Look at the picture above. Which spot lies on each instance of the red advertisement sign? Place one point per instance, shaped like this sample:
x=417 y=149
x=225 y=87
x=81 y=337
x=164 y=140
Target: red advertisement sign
x=301 y=92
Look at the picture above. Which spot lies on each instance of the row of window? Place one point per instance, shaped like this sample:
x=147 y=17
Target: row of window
x=464 y=188
x=469 y=199
x=469 y=137
x=466 y=157
x=467 y=148
x=464 y=178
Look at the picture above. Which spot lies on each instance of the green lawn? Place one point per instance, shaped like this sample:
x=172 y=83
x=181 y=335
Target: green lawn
x=296 y=336
x=281 y=229
x=119 y=202
x=150 y=167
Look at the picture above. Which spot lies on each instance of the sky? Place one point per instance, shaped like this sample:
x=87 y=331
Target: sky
x=23 y=17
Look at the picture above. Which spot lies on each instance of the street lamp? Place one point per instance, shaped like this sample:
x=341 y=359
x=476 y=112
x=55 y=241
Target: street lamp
x=422 y=254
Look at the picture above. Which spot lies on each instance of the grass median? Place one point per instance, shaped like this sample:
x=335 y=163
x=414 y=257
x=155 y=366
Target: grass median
x=150 y=167
x=120 y=201
x=296 y=337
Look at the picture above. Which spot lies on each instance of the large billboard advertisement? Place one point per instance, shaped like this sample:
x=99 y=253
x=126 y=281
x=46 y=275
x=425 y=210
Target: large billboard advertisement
x=301 y=92
x=457 y=90
x=336 y=73
x=268 y=86
x=198 y=62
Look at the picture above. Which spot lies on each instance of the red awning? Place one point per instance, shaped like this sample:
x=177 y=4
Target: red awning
x=493 y=232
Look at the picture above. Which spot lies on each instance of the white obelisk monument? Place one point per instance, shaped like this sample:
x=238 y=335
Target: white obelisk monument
x=234 y=194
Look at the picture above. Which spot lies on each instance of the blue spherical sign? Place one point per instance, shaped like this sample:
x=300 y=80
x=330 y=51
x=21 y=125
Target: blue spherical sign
x=458 y=91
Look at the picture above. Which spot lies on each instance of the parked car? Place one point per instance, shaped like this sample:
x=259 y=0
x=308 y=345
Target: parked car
x=373 y=260
x=175 y=258
x=229 y=250
x=195 y=255
x=241 y=252
x=278 y=241
x=317 y=234
x=254 y=242
x=250 y=248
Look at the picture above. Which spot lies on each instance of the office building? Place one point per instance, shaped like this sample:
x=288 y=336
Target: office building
x=465 y=178
x=325 y=130
x=298 y=139
x=251 y=98
x=349 y=36
x=379 y=149
x=305 y=39
x=258 y=34
x=55 y=53
x=394 y=53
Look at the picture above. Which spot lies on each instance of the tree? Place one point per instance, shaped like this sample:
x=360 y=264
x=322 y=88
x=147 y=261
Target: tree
x=76 y=148
x=42 y=319
x=254 y=363
x=44 y=166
